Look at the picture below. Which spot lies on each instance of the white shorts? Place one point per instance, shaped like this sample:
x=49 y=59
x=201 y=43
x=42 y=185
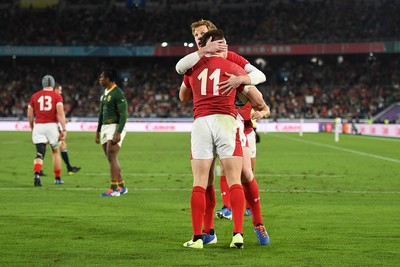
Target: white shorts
x=215 y=135
x=46 y=133
x=107 y=133
x=251 y=140
x=243 y=138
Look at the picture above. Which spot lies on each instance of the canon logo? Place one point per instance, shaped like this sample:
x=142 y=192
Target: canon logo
x=88 y=126
x=22 y=126
x=152 y=127
x=287 y=128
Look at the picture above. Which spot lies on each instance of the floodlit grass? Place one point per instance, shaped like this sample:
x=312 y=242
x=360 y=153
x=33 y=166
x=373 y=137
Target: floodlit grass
x=324 y=204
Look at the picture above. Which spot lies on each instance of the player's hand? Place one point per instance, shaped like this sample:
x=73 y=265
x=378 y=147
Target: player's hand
x=117 y=138
x=216 y=46
x=97 y=138
x=231 y=84
x=260 y=114
x=63 y=135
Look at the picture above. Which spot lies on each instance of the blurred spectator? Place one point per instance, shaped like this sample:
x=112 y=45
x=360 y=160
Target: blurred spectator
x=296 y=87
x=287 y=22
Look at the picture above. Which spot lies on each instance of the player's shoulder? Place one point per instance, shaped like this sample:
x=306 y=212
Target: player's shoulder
x=38 y=93
x=236 y=58
x=118 y=92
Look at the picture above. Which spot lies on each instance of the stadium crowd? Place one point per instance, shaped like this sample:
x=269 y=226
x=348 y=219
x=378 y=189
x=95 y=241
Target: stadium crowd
x=296 y=87
x=285 y=22
x=358 y=86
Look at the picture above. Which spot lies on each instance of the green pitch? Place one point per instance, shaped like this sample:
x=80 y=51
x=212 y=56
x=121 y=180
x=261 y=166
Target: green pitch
x=324 y=204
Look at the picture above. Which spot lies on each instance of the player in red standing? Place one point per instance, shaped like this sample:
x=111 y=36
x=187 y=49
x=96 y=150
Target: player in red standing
x=253 y=76
x=45 y=113
x=215 y=132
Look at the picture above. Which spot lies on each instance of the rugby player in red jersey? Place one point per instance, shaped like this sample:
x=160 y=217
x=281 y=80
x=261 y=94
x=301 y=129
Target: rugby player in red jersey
x=215 y=133
x=253 y=76
x=45 y=114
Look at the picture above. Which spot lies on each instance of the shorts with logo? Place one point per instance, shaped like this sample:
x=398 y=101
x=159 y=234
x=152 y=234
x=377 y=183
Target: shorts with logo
x=215 y=135
x=107 y=133
x=46 y=133
x=242 y=135
x=251 y=140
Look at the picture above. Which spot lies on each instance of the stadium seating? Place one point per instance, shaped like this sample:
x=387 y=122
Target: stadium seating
x=296 y=86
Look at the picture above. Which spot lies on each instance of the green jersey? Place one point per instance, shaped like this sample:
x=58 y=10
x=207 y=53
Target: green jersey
x=113 y=108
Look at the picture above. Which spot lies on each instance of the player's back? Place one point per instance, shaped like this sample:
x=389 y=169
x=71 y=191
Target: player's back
x=44 y=104
x=204 y=79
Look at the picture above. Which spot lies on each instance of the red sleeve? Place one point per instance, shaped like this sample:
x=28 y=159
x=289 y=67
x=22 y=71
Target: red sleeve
x=235 y=58
x=59 y=99
x=186 y=81
x=31 y=102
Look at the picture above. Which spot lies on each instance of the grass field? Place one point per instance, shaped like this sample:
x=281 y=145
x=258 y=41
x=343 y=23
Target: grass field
x=324 y=204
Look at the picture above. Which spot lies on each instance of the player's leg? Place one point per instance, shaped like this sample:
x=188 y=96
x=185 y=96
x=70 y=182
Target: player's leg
x=232 y=168
x=111 y=151
x=252 y=194
x=229 y=149
x=64 y=154
x=225 y=211
x=53 y=137
x=57 y=165
x=200 y=169
x=209 y=236
x=40 y=140
x=115 y=171
x=202 y=159
x=38 y=163
x=121 y=183
x=253 y=150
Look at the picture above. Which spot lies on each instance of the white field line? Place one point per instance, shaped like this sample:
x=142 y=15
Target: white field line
x=287 y=191
x=190 y=175
x=341 y=149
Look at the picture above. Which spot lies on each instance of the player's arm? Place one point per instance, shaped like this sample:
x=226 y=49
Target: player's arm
x=188 y=61
x=252 y=76
x=61 y=120
x=99 y=124
x=257 y=101
x=122 y=107
x=30 y=116
x=185 y=93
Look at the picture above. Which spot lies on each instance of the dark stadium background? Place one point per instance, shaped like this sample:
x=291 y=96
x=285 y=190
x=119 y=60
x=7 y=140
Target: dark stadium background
x=345 y=54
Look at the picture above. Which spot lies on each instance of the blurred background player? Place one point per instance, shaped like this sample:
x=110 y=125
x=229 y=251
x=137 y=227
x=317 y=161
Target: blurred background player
x=63 y=146
x=45 y=114
x=111 y=129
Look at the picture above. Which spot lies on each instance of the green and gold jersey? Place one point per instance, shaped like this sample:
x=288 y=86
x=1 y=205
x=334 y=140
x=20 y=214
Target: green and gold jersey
x=113 y=108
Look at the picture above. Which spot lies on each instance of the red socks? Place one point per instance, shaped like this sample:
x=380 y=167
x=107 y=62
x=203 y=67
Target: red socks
x=253 y=200
x=210 y=205
x=223 y=184
x=237 y=204
x=37 y=167
x=198 y=207
x=57 y=173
